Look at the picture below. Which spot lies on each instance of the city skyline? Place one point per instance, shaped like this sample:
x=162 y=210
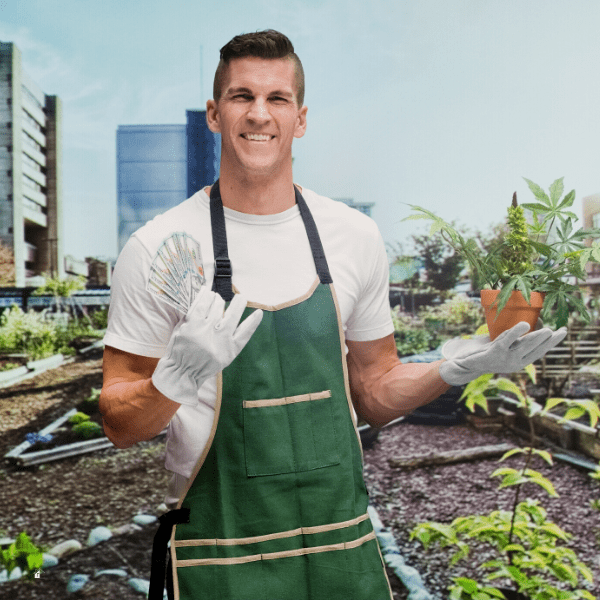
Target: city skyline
x=443 y=104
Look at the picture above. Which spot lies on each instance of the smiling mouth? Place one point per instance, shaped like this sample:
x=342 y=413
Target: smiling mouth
x=257 y=137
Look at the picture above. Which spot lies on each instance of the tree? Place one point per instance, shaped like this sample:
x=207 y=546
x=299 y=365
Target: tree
x=442 y=265
x=7 y=266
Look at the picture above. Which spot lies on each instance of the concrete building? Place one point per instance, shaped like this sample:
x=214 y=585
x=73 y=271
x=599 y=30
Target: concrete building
x=30 y=172
x=159 y=166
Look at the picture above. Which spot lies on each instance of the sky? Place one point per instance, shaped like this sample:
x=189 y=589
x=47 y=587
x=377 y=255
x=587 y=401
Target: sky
x=447 y=104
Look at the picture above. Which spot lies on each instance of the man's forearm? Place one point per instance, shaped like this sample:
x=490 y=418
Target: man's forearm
x=401 y=390
x=134 y=411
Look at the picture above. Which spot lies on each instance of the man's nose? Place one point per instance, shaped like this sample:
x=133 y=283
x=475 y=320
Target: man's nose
x=259 y=111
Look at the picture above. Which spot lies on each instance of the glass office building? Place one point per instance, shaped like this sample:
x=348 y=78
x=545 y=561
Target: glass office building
x=159 y=166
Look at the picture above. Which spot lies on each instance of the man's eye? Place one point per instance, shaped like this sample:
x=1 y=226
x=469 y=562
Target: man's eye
x=243 y=96
x=279 y=99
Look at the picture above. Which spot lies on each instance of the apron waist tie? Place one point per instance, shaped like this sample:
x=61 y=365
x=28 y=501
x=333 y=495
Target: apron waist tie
x=159 y=550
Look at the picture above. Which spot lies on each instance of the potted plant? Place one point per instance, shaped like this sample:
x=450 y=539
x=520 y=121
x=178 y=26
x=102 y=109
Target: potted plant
x=530 y=551
x=534 y=261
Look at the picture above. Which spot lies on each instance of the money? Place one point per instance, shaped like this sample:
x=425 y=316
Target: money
x=177 y=273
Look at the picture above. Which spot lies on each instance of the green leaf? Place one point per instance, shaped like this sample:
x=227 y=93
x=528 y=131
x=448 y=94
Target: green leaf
x=544 y=454
x=538 y=192
x=538 y=478
x=572 y=414
x=555 y=530
x=530 y=370
x=511 y=453
x=469 y=585
x=585 y=572
x=556 y=190
x=552 y=402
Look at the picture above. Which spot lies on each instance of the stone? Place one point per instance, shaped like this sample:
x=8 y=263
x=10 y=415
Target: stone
x=76 y=582
x=16 y=573
x=112 y=572
x=144 y=519
x=127 y=528
x=65 y=548
x=3 y=575
x=99 y=534
x=162 y=508
x=49 y=561
x=6 y=541
x=139 y=585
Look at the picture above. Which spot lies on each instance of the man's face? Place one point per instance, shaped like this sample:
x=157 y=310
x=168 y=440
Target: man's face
x=257 y=115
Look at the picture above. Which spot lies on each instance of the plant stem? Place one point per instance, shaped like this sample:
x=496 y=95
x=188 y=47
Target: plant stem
x=525 y=467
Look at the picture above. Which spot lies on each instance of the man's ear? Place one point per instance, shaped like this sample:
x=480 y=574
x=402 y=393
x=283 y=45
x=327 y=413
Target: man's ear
x=301 y=123
x=212 y=116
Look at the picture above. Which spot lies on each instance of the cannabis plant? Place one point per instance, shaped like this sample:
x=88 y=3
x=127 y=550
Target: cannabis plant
x=530 y=551
x=541 y=251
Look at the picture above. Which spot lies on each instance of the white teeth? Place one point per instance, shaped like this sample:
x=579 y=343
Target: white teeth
x=257 y=137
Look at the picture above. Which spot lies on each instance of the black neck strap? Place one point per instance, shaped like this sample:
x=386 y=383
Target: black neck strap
x=222 y=278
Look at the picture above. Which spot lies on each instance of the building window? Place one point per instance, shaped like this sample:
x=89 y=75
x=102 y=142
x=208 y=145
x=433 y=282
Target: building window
x=596 y=220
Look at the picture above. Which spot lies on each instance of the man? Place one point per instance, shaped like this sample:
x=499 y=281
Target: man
x=258 y=395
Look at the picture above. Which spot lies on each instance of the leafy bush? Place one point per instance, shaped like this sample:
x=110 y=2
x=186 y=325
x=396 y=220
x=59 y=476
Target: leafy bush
x=94 y=397
x=458 y=315
x=88 y=430
x=78 y=417
x=412 y=337
x=100 y=318
x=28 y=333
x=22 y=553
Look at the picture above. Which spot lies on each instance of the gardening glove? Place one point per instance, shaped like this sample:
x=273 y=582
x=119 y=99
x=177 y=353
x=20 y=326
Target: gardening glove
x=202 y=344
x=508 y=353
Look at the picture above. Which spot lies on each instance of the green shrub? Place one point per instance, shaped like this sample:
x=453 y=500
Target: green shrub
x=78 y=417
x=411 y=336
x=22 y=553
x=94 y=396
x=88 y=430
x=456 y=316
x=100 y=318
x=28 y=333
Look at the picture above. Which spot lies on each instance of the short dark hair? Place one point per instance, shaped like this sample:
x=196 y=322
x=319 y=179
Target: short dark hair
x=268 y=44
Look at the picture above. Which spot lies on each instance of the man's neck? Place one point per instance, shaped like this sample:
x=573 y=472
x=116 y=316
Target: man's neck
x=257 y=196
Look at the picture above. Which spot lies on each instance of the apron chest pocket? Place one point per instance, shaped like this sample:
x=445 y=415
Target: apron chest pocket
x=289 y=435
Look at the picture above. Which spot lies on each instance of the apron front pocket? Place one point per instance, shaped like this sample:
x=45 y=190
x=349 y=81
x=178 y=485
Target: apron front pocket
x=289 y=435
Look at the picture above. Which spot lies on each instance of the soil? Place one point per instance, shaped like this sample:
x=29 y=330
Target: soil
x=66 y=499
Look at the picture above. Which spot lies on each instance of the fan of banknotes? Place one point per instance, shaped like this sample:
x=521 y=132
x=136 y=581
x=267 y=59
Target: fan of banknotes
x=176 y=273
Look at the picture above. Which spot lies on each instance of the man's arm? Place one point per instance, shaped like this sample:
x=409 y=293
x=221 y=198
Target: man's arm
x=133 y=410
x=382 y=387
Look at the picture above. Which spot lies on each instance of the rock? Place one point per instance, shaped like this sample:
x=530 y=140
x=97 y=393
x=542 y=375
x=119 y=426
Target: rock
x=139 y=585
x=16 y=573
x=127 y=528
x=5 y=541
x=64 y=548
x=113 y=572
x=3 y=575
x=162 y=508
x=49 y=561
x=76 y=582
x=99 y=534
x=144 y=519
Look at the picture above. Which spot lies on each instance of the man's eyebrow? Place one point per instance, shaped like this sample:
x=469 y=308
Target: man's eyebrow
x=245 y=90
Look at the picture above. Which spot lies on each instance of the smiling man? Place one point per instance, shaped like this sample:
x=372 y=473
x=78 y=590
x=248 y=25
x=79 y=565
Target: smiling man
x=259 y=383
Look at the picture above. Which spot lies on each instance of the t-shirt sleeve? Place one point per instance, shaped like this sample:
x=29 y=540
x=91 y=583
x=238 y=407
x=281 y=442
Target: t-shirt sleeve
x=371 y=318
x=138 y=322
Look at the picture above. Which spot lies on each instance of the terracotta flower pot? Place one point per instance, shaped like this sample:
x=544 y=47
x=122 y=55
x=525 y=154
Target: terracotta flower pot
x=516 y=310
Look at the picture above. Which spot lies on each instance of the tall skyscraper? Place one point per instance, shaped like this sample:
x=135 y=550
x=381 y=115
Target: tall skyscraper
x=30 y=171
x=159 y=166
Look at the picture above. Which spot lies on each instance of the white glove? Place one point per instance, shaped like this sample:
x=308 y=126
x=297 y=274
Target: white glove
x=508 y=353
x=202 y=344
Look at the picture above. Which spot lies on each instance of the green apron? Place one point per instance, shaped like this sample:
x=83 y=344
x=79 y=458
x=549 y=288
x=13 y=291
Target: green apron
x=277 y=503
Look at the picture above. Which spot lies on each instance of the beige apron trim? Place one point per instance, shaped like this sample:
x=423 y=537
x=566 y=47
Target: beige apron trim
x=273 y=308
x=345 y=366
x=274 y=555
x=272 y=536
x=287 y=400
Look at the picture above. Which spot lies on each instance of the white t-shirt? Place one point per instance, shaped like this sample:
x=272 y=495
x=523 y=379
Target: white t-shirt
x=272 y=263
